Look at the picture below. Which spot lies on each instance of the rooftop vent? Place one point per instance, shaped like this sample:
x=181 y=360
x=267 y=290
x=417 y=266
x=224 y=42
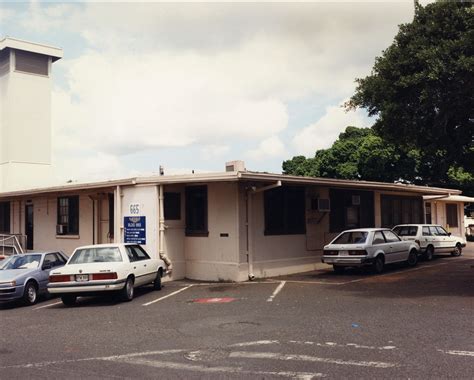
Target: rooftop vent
x=235 y=166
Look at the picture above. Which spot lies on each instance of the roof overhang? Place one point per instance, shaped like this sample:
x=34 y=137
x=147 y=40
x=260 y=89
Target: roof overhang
x=449 y=198
x=254 y=177
x=13 y=43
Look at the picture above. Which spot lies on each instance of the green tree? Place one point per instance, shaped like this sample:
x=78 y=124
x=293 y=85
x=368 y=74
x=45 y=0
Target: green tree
x=421 y=92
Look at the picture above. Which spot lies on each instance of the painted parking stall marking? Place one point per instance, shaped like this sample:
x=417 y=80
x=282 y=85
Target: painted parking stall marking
x=214 y=300
x=167 y=296
x=277 y=290
x=49 y=305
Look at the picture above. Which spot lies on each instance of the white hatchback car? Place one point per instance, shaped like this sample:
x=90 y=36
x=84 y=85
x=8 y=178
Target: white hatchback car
x=105 y=268
x=373 y=247
x=431 y=238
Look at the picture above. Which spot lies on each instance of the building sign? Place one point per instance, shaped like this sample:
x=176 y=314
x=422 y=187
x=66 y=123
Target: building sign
x=135 y=229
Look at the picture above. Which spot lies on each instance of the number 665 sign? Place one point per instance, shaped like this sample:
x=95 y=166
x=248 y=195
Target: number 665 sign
x=134 y=208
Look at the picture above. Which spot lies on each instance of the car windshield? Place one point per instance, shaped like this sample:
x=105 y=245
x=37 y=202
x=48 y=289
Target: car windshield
x=21 y=262
x=96 y=255
x=406 y=230
x=352 y=237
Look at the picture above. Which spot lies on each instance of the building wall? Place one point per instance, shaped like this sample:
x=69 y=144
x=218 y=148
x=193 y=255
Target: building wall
x=25 y=130
x=216 y=257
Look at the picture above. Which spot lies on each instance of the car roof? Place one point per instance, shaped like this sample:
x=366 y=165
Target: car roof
x=367 y=229
x=39 y=253
x=108 y=245
x=417 y=225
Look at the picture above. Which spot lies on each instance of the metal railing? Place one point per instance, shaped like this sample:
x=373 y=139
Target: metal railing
x=12 y=244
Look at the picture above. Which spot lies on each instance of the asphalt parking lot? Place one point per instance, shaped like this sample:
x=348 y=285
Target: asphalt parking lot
x=405 y=323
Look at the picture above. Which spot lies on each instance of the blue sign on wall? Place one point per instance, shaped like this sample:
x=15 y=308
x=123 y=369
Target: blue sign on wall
x=135 y=229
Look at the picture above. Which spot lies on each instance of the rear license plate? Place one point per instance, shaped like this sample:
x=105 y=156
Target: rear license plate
x=343 y=253
x=82 y=277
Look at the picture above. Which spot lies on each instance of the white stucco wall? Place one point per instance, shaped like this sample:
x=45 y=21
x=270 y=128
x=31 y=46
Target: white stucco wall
x=216 y=257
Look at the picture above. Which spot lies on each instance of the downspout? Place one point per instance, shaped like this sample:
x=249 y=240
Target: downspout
x=118 y=215
x=161 y=241
x=251 y=191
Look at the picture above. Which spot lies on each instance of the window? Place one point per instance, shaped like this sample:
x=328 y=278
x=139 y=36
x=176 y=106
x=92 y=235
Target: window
x=172 y=206
x=351 y=209
x=452 y=214
x=428 y=213
x=96 y=255
x=378 y=238
x=354 y=237
x=426 y=231
x=54 y=259
x=390 y=237
x=32 y=63
x=68 y=215
x=284 y=209
x=440 y=231
x=406 y=230
x=4 y=61
x=433 y=231
x=196 y=211
x=136 y=253
x=5 y=217
x=111 y=216
x=401 y=210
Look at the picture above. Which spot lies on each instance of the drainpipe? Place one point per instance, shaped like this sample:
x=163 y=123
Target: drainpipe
x=118 y=215
x=161 y=241
x=251 y=191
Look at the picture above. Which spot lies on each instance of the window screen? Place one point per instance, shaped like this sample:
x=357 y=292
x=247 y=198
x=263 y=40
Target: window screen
x=31 y=62
x=401 y=210
x=285 y=211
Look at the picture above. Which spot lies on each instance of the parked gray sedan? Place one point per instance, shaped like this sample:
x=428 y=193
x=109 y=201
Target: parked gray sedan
x=26 y=276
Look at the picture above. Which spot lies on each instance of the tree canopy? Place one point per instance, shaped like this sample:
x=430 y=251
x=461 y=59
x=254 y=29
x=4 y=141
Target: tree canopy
x=421 y=93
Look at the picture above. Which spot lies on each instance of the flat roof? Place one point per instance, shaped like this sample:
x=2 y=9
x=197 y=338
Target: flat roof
x=17 y=44
x=240 y=176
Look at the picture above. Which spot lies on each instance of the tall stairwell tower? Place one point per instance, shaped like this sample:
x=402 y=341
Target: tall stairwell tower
x=25 y=113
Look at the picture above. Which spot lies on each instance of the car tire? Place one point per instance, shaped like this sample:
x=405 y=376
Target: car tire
x=126 y=294
x=428 y=255
x=30 y=294
x=338 y=269
x=378 y=265
x=412 y=258
x=69 y=300
x=457 y=250
x=157 y=283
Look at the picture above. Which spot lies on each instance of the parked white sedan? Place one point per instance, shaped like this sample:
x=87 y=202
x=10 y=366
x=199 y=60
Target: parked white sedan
x=373 y=247
x=104 y=268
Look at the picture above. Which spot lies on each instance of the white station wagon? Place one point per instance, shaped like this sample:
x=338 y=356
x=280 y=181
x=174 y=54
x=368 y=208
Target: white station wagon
x=105 y=268
x=373 y=247
x=432 y=238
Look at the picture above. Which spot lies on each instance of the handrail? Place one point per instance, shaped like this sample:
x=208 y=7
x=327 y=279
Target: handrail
x=11 y=241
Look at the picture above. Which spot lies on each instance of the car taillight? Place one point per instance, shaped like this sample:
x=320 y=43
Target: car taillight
x=104 y=276
x=330 y=253
x=358 y=253
x=60 y=278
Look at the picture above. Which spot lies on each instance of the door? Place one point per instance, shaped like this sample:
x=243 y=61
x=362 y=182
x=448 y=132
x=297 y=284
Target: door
x=398 y=248
x=29 y=226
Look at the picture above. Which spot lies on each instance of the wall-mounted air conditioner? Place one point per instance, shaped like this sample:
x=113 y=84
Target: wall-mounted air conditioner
x=324 y=205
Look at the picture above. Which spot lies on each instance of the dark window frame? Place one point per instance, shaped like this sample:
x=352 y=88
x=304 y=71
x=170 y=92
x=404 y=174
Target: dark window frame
x=285 y=211
x=395 y=209
x=68 y=214
x=452 y=215
x=196 y=199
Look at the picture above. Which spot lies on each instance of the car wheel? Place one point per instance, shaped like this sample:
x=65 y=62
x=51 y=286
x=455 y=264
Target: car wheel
x=412 y=258
x=428 y=256
x=378 y=264
x=338 y=269
x=126 y=294
x=30 y=294
x=69 y=300
x=157 y=283
x=457 y=250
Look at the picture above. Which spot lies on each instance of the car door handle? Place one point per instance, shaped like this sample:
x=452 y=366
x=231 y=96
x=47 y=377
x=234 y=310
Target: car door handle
x=144 y=265
x=134 y=267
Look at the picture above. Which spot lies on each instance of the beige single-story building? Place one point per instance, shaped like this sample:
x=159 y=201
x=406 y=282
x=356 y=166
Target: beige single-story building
x=221 y=226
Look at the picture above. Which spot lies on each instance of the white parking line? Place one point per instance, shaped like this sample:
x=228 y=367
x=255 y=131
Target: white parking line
x=167 y=296
x=277 y=290
x=460 y=353
x=307 y=358
x=45 y=306
x=227 y=370
x=347 y=345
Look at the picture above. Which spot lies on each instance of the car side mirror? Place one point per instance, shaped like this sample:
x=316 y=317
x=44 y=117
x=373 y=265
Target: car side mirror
x=449 y=233
x=47 y=266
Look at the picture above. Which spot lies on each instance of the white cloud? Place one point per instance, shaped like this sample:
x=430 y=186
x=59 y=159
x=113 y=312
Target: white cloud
x=210 y=152
x=271 y=147
x=322 y=133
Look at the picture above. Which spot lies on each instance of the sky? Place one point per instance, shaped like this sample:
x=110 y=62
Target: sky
x=192 y=85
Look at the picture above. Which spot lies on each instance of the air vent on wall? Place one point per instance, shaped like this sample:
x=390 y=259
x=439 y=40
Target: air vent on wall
x=324 y=205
